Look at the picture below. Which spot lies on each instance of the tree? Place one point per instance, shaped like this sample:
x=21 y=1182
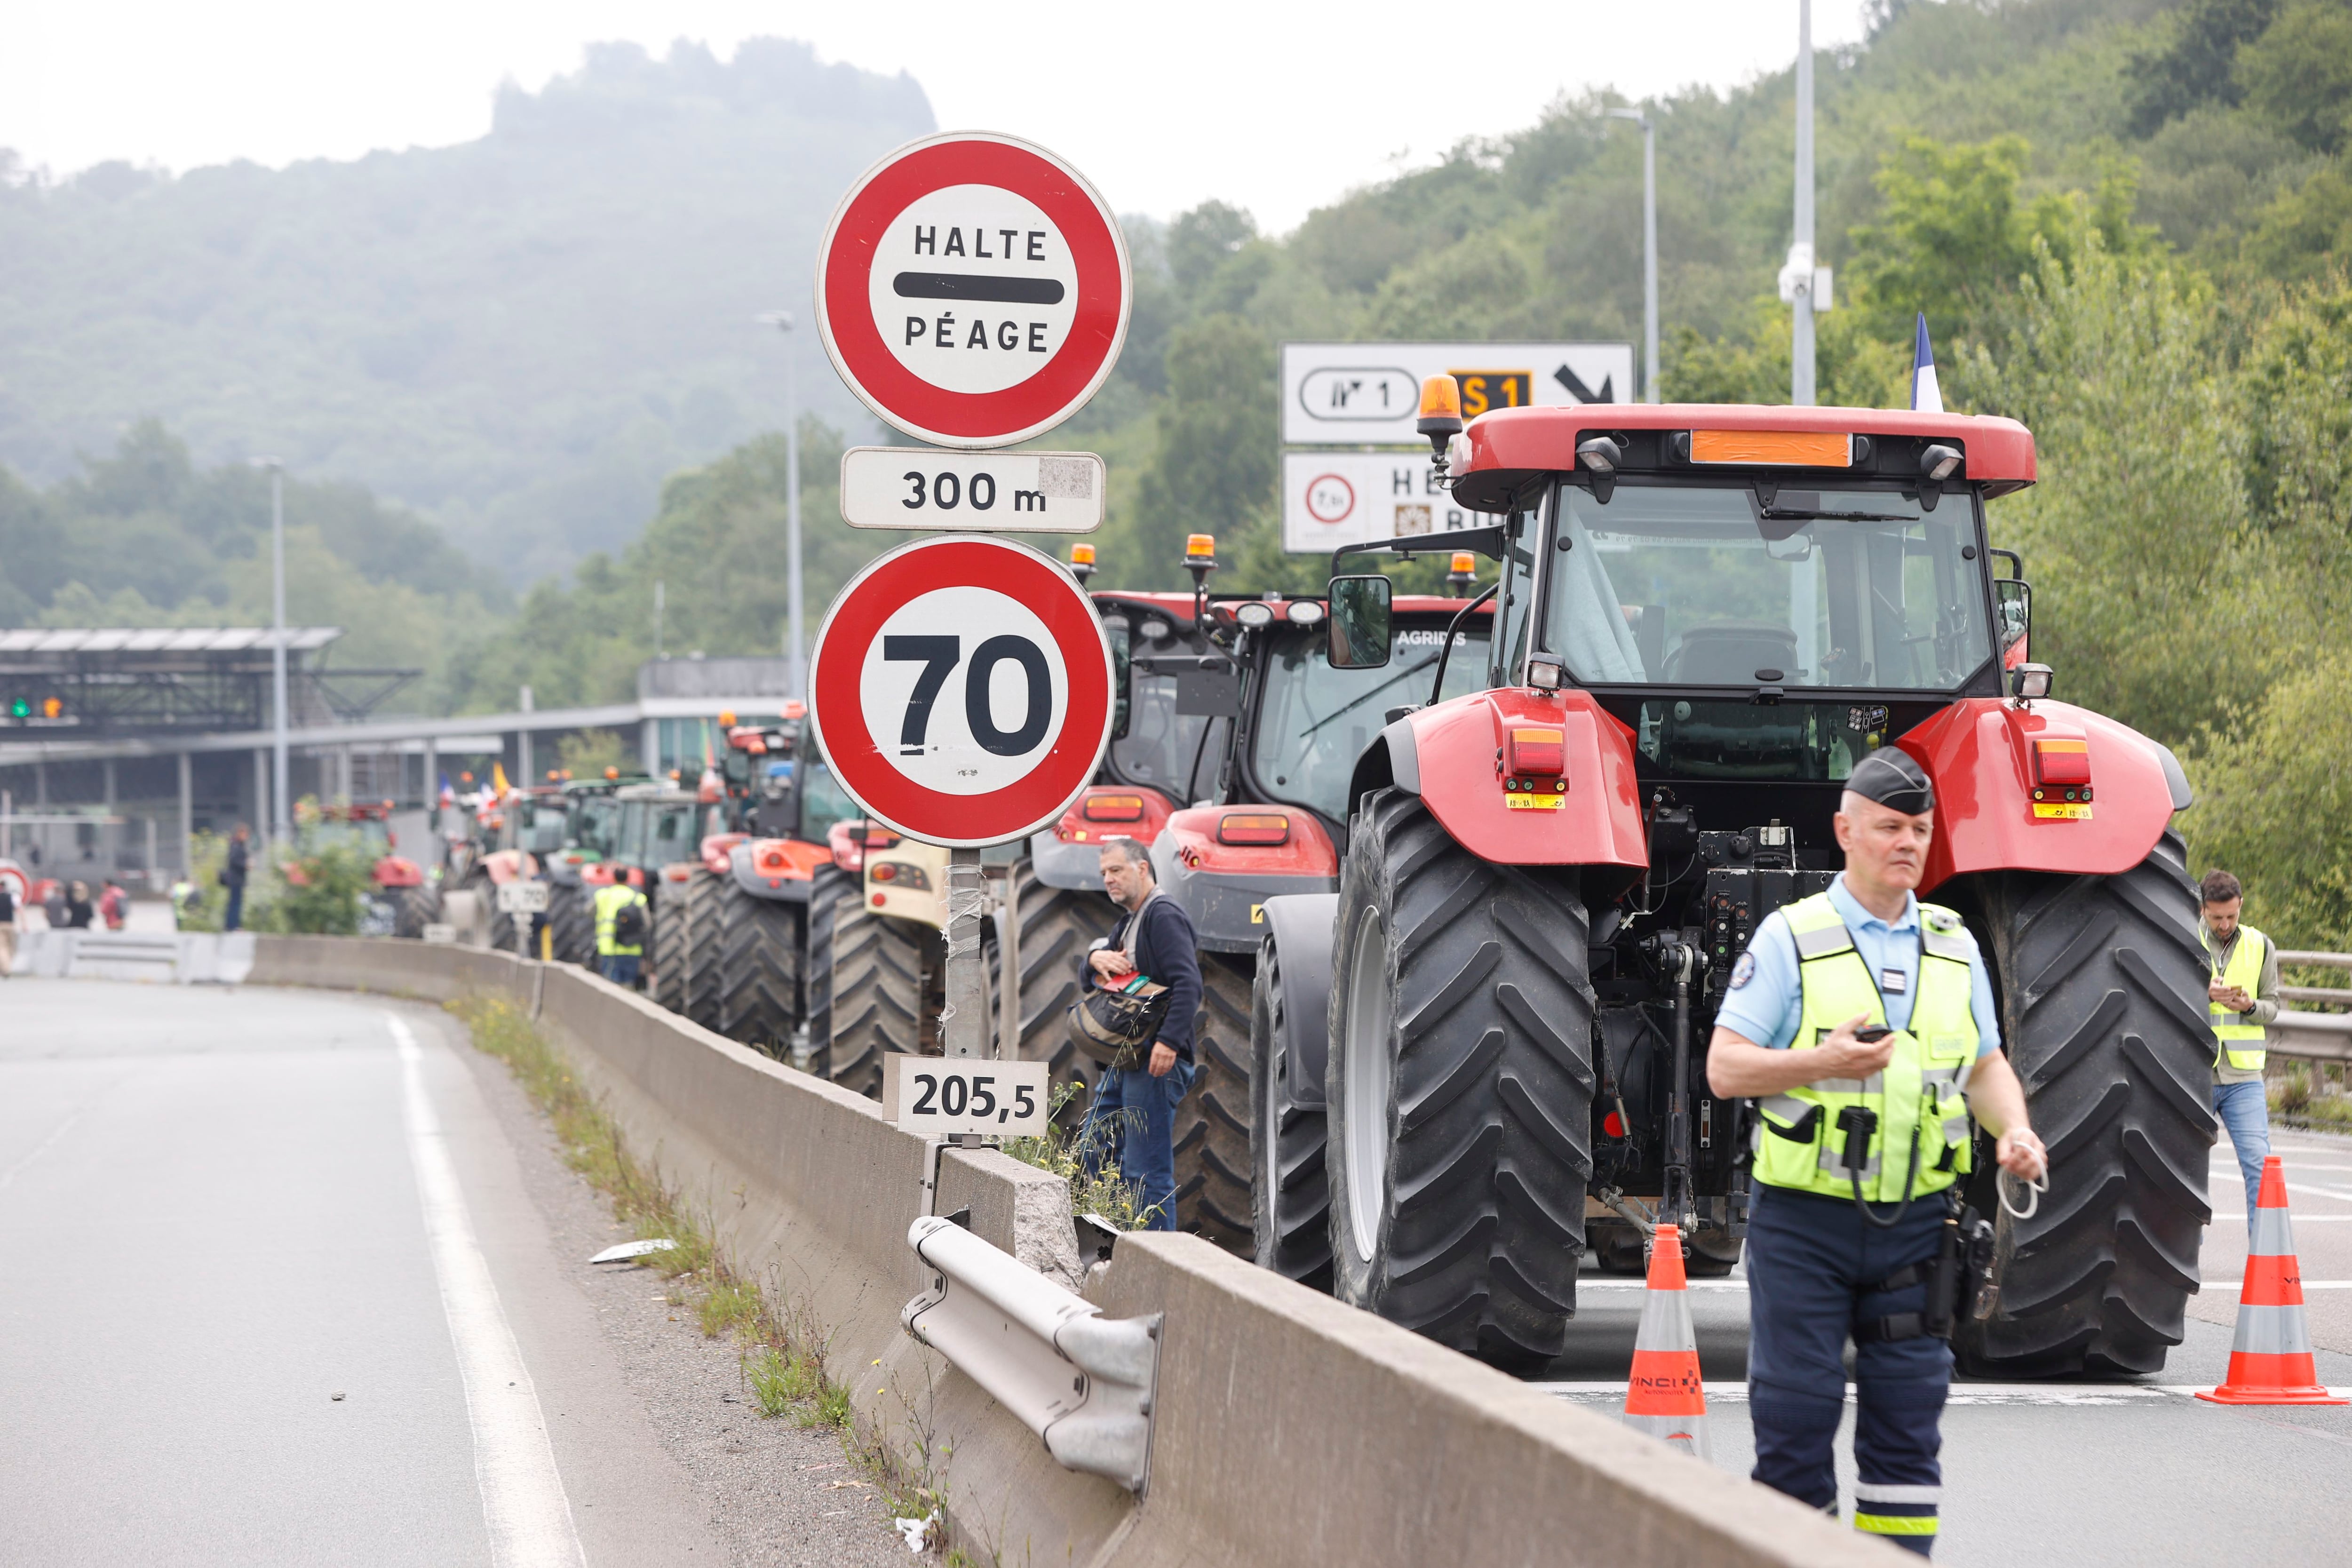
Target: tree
x=1214 y=471
x=2193 y=68
x=2298 y=74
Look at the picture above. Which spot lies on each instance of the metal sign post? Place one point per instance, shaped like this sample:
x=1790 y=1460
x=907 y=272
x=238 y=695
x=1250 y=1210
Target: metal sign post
x=973 y=290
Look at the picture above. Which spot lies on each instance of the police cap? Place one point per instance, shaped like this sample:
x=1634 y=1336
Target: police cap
x=1892 y=779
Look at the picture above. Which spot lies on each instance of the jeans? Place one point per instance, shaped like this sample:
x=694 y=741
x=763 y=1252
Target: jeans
x=1131 y=1122
x=1810 y=1259
x=2245 y=1110
x=620 y=968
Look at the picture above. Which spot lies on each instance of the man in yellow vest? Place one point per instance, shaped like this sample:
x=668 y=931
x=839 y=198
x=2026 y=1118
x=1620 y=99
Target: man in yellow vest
x=1861 y=1022
x=2244 y=995
x=620 y=938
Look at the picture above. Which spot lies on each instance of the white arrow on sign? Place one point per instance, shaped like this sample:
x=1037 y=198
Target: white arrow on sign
x=924 y=487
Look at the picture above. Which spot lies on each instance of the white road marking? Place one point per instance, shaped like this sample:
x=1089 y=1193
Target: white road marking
x=2220 y=1214
x=1688 y=1285
x=523 y=1503
x=2046 y=1394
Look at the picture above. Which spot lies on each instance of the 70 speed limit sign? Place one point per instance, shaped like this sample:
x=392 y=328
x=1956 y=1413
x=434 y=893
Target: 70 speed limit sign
x=960 y=689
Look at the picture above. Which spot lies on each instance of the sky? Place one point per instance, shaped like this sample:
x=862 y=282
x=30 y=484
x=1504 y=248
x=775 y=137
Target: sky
x=1278 y=107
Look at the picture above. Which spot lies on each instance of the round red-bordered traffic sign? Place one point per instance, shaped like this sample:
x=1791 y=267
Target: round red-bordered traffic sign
x=960 y=689
x=1008 y=262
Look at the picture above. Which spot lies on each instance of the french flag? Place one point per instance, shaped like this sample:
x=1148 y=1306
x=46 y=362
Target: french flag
x=1926 y=397
x=448 y=795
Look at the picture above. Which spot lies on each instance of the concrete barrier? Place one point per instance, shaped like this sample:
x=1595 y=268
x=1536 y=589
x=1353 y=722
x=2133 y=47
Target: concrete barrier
x=1289 y=1429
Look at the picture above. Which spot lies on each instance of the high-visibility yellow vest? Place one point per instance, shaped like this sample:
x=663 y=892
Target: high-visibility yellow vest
x=1919 y=1099
x=2242 y=1039
x=609 y=903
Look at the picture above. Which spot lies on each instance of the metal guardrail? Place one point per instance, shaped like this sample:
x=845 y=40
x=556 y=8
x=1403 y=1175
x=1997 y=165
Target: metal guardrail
x=1082 y=1381
x=2314 y=1036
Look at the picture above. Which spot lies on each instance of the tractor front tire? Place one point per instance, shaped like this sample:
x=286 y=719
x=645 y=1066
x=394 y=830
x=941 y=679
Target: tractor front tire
x=572 y=923
x=878 y=995
x=759 y=970
x=667 y=949
x=1290 y=1194
x=1058 y=926
x=705 y=939
x=2103 y=1014
x=1460 y=1084
x=1212 y=1126
x=417 y=907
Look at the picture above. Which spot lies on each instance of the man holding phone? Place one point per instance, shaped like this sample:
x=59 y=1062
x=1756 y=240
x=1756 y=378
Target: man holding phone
x=2243 y=995
x=1862 y=1022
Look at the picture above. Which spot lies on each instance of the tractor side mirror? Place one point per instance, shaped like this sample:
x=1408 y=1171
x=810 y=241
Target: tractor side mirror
x=2014 y=596
x=1361 y=627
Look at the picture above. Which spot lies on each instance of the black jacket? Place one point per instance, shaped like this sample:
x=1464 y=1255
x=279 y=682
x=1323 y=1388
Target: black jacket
x=233 y=872
x=1167 y=951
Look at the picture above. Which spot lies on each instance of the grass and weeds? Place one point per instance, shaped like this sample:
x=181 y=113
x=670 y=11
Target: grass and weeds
x=1102 y=1191
x=780 y=1346
x=2302 y=1098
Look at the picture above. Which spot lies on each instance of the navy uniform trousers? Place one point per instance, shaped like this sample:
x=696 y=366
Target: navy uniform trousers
x=1811 y=1263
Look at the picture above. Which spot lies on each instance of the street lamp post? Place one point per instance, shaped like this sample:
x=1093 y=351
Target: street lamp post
x=276 y=811
x=796 y=677
x=1649 y=378
x=1798 y=277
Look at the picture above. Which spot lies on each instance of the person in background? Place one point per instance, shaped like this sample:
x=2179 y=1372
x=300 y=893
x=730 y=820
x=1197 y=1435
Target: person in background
x=620 y=937
x=1133 y=1117
x=2244 y=991
x=8 y=927
x=78 y=909
x=233 y=875
x=113 y=905
x=53 y=906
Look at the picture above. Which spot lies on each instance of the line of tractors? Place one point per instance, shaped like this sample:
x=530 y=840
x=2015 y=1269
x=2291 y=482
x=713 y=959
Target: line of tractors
x=1471 y=874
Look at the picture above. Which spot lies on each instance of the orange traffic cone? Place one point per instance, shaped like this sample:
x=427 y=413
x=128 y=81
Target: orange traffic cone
x=1664 y=1396
x=2270 y=1361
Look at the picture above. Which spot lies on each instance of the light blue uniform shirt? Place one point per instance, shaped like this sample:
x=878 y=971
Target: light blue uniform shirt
x=1766 y=1000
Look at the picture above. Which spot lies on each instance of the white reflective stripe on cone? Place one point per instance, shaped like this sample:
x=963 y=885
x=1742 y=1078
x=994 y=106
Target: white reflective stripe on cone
x=2271 y=1330
x=2272 y=1235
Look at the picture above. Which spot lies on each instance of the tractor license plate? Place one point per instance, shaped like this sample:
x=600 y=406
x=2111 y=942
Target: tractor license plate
x=2062 y=811
x=1533 y=802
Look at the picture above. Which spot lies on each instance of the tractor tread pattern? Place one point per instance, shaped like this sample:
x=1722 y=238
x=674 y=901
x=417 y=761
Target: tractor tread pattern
x=669 y=947
x=878 y=995
x=759 y=969
x=1211 y=1130
x=2107 y=1024
x=1480 y=1246
x=572 y=923
x=1290 y=1197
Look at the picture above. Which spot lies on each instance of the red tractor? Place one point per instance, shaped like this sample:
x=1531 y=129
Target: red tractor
x=1707 y=616
x=402 y=901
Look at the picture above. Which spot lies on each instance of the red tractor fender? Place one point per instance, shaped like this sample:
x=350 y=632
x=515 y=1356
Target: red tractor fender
x=845 y=842
x=1196 y=840
x=394 y=871
x=505 y=865
x=1452 y=755
x=717 y=848
x=1988 y=757
x=772 y=865
x=1114 y=811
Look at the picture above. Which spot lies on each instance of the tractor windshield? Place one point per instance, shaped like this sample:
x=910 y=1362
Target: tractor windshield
x=823 y=803
x=1725 y=584
x=595 y=820
x=1315 y=721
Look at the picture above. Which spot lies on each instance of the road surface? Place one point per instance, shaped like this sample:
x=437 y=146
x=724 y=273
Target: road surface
x=294 y=1277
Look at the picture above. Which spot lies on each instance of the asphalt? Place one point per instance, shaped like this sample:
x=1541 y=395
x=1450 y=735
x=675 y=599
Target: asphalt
x=218 y=1215
x=2111 y=1471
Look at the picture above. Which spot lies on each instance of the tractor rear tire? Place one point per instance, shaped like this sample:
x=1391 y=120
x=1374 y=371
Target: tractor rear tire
x=1058 y=926
x=1212 y=1126
x=878 y=995
x=1291 y=1194
x=1460 y=1085
x=572 y=923
x=705 y=942
x=2104 y=1014
x=759 y=970
x=419 y=907
x=667 y=949
x=828 y=894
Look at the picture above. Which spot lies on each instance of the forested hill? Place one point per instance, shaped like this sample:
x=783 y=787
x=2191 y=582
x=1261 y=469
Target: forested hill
x=519 y=336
